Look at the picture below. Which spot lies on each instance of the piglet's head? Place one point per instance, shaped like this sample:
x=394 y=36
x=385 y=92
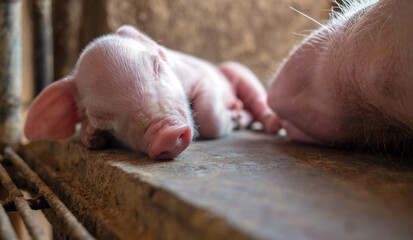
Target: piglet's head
x=122 y=86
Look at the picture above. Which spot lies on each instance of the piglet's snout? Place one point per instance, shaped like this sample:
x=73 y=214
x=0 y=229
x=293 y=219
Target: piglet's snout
x=170 y=142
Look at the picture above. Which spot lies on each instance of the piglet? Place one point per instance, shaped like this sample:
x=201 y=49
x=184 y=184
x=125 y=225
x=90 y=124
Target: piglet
x=351 y=82
x=126 y=86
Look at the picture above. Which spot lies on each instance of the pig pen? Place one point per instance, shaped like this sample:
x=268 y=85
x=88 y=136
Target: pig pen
x=248 y=185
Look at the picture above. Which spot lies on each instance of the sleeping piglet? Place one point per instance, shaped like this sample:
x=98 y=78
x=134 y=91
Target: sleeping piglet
x=126 y=86
x=351 y=82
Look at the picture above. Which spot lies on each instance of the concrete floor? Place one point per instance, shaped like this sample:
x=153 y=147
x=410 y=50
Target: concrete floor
x=247 y=185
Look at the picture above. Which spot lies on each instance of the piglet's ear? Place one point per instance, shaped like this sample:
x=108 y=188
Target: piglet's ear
x=53 y=114
x=131 y=32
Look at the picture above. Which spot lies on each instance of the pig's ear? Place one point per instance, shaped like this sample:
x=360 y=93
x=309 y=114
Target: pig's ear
x=53 y=114
x=131 y=32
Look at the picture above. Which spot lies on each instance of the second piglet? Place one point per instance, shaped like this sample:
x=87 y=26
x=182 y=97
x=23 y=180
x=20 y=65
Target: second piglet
x=351 y=82
x=126 y=86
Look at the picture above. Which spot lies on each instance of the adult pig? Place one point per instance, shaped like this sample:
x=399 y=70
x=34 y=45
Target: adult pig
x=351 y=82
x=126 y=86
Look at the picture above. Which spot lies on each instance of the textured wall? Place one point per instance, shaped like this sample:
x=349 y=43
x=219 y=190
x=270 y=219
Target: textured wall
x=258 y=33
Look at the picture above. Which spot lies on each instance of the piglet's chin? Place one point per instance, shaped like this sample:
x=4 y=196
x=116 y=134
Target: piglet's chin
x=170 y=142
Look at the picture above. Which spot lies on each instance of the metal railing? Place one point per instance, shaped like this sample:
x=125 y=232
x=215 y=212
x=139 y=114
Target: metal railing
x=46 y=199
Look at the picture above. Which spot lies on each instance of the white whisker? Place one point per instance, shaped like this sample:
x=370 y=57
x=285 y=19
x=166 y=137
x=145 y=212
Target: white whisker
x=309 y=30
x=305 y=15
x=300 y=34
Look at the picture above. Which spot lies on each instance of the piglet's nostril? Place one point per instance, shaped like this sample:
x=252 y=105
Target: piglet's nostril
x=186 y=136
x=170 y=142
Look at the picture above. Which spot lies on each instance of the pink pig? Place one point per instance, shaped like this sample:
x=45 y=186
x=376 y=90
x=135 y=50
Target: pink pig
x=351 y=82
x=129 y=87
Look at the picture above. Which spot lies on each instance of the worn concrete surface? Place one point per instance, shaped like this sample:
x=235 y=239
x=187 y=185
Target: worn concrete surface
x=248 y=185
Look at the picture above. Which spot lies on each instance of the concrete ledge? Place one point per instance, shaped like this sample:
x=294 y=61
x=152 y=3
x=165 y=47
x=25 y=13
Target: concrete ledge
x=245 y=186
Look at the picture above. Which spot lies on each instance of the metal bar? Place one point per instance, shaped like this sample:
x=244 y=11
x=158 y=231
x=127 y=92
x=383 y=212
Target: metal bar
x=43 y=44
x=38 y=203
x=25 y=211
x=6 y=229
x=74 y=227
x=10 y=72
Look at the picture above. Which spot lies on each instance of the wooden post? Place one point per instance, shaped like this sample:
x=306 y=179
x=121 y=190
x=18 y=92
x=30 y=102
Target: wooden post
x=67 y=22
x=43 y=44
x=10 y=72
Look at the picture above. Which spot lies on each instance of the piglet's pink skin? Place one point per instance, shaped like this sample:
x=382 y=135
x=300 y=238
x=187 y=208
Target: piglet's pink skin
x=351 y=82
x=128 y=87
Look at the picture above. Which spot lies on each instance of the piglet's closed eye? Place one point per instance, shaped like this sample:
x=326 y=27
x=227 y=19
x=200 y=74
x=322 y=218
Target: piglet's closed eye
x=53 y=114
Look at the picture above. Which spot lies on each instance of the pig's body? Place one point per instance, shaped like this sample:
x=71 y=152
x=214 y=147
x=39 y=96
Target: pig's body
x=221 y=101
x=205 y=86
x=129 y=87
x=351 y=82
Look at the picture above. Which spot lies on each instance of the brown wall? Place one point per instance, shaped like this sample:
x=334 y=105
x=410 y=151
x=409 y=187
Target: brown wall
x=258 y=33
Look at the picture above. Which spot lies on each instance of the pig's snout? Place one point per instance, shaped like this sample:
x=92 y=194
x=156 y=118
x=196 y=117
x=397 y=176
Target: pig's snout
x=170 y=142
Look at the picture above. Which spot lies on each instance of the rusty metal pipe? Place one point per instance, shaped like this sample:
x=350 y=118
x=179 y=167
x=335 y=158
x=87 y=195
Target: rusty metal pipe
x=34 y=203
x=6 y=229
x=10 y=72
x=23 y=208
x=74 y=227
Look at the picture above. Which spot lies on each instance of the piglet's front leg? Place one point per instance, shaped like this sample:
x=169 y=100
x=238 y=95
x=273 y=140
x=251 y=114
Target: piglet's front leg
x=252 y=94
x=92 y=137
x=240 y=116
x=214 y=119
